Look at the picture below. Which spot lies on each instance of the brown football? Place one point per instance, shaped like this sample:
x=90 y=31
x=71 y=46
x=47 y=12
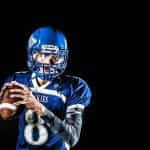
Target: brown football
x=7 y=113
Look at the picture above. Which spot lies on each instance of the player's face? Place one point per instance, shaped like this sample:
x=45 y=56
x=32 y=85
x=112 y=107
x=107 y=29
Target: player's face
x=49 y=59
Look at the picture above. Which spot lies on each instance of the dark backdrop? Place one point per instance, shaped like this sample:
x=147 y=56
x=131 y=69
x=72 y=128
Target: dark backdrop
x=79 y=30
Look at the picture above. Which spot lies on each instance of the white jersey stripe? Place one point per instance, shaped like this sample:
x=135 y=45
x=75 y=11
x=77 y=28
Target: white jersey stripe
x=50 y=92
x=67 y=146
x=75 y=106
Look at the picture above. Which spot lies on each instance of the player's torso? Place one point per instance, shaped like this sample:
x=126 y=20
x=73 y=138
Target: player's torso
x=32 y=129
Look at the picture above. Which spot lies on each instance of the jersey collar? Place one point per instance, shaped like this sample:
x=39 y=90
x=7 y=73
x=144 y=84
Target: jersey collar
x=36 y=85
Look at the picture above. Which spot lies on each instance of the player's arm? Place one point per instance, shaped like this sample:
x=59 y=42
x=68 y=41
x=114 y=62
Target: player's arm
x=70 y=127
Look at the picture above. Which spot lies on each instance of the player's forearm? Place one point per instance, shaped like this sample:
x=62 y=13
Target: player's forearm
x=69 y=129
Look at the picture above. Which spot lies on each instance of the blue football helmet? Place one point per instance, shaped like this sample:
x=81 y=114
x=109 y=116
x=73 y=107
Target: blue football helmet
x=47 y=41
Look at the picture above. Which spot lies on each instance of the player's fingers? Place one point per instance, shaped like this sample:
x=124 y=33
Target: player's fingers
x=27 y=103
x=2 y=91
x=20 y=103
x=15 y=82
x=19 y=84
x=24 y=90
x=6 y=85
x=16 y=90
x=29 y=106
x=17 y=96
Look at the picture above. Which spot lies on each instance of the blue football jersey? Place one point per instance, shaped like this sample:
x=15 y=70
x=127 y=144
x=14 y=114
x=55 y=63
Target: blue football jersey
x=57 y=96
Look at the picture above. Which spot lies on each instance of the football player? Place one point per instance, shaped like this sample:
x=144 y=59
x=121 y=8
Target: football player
x=53 y=102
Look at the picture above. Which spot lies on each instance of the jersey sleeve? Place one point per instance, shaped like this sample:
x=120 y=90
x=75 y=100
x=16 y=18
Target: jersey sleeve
x=80 y=94
x=70 y=127
x=21 y=77
x=6 y=79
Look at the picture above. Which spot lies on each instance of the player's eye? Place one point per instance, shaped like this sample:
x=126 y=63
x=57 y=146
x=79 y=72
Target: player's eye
x=56 y=59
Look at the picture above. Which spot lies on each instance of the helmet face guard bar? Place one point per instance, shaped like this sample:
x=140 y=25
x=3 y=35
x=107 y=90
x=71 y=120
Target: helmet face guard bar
x=52 y=70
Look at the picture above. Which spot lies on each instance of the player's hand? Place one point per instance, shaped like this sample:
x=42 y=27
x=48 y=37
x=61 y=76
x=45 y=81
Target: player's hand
x=5 y=86
x=29 y=99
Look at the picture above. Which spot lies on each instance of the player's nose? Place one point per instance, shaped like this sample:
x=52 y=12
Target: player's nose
x=46 y=59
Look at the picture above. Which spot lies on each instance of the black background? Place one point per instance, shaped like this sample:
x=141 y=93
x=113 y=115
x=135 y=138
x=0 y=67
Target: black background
x=80 y=31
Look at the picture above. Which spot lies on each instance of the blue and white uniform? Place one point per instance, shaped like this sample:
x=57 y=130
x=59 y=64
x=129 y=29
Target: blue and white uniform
x=65 y=99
